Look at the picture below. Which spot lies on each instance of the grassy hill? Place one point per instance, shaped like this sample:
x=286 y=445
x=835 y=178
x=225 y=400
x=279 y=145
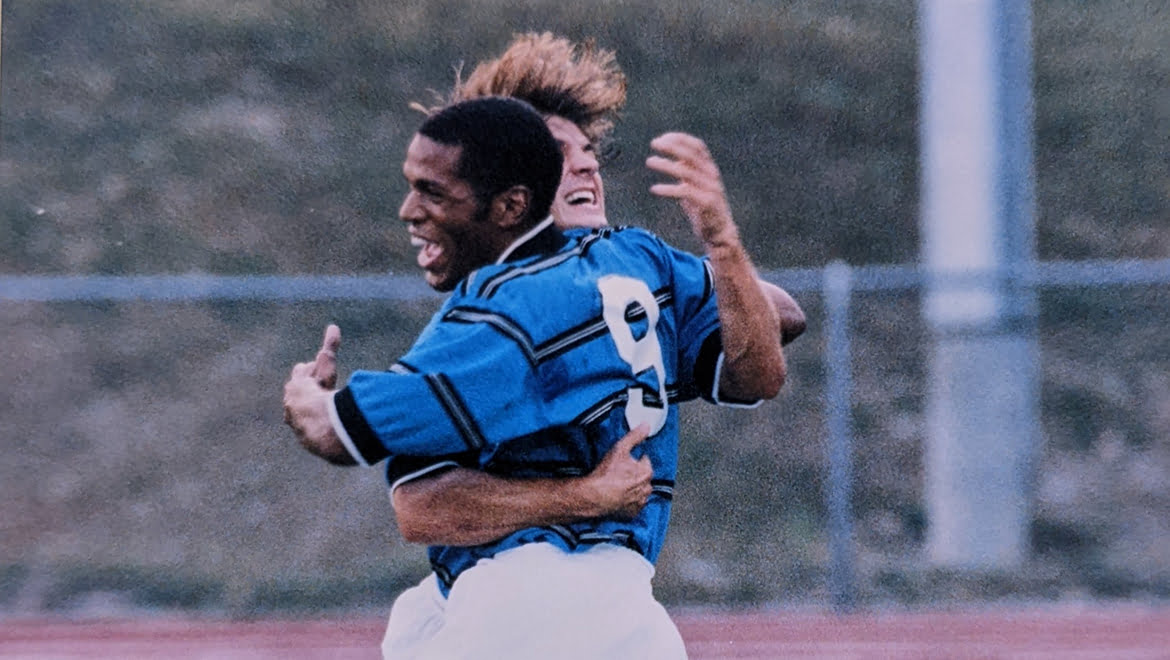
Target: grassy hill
x=146 y=463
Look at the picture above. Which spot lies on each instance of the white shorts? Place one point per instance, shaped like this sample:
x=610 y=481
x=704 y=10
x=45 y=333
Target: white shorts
x=537 y=601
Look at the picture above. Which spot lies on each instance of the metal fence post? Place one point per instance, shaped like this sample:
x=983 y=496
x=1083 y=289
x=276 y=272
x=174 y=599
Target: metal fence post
x=838 y=287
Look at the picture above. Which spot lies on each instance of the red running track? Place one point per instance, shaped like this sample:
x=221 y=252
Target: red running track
x=1071 y=633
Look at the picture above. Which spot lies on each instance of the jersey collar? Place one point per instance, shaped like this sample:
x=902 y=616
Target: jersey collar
x=543 y=238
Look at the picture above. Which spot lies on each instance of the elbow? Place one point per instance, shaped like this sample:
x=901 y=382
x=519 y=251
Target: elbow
x=790 y=316
x=407 y=509
x=781 y=378
x=772 y=375
x=792 y=325
x=760 y=384
x=772 y=382
x=758 y=376
x=773 y=372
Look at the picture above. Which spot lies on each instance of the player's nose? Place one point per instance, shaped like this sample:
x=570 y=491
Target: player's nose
x=411 y=210
x=581 y=161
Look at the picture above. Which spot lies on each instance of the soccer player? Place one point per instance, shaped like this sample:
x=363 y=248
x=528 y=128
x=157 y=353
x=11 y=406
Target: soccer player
x=550 y=348
x=580 y=90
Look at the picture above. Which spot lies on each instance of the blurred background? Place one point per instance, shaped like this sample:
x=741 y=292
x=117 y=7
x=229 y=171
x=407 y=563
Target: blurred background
x=145 y=464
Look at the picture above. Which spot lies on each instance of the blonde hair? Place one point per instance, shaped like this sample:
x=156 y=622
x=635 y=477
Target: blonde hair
x=579 y=82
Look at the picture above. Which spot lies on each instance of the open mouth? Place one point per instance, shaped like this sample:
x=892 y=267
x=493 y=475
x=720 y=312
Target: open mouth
x=428 y=252
x=581 y=198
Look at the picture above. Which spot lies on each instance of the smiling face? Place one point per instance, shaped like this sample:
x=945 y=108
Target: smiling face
x=580 y=199
x=446 y=222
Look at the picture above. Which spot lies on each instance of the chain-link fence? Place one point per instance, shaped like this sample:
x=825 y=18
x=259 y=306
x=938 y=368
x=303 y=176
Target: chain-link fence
x=148 y=466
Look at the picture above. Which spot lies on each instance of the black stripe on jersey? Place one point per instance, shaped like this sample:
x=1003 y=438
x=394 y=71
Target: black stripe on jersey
x=594 y=328
x=708 y=280
x=492 y=284
x=664 y=296
x=664 y=488
x=456 y=410
x=566 y=534
x=443 y=574
x=620 y=536
x=402 y=368
x=359 y=430
x=571 y=338
x=601 y=408
x=503 y=324
x=704 y=375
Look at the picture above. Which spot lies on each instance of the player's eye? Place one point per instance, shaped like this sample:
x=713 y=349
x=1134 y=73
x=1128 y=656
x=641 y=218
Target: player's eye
x=430 y=192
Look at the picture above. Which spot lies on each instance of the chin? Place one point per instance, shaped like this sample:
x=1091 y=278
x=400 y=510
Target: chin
x=439 y=283
x=577 y=220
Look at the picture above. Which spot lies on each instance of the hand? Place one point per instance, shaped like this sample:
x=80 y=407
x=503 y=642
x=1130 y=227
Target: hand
x=325 y=366
x=620 y=484
x=301 y=391
x=306 y=402
x=698 y=186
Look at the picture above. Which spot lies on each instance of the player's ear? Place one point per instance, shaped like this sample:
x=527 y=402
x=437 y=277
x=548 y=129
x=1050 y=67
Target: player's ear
x=510 y=207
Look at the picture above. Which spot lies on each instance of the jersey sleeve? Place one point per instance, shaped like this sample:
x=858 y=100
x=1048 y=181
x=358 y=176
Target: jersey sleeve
x=698 y=346
x=401 y=469
x=464 y=386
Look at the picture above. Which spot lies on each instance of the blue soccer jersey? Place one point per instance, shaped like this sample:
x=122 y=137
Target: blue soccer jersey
x=536 y=367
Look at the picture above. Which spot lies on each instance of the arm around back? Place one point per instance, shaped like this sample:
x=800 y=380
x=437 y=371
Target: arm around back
x=463 y=507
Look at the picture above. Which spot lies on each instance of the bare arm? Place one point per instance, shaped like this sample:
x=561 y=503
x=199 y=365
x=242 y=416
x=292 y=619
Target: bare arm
x=469 y=507
x=753 y=360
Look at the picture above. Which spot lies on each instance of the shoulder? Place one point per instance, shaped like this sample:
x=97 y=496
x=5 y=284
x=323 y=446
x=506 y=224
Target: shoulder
x=519 y=276
x=615 y=234
x=624 y=243
x=543 y=275
x=522 y=299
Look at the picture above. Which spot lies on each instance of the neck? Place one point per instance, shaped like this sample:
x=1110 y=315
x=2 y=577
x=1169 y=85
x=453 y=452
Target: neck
x=529 y=242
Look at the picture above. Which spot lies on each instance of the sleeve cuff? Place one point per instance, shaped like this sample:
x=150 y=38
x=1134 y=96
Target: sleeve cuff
x=353 y=429
x=422 y=472
x=343 y=434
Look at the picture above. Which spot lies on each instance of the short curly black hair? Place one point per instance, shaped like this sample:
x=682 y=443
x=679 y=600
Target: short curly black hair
x=505 y=142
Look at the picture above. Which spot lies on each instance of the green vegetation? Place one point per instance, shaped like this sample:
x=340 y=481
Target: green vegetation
x=145 y=452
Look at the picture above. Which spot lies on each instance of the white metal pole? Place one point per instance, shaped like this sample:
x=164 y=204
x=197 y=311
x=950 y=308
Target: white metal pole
x=977 y=244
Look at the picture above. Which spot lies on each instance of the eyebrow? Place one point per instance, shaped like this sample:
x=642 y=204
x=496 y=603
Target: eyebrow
x=586 y=144
x=428 y=186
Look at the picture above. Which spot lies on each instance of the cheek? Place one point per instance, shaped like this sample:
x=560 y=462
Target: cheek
x=562 y=188
x=465 y=247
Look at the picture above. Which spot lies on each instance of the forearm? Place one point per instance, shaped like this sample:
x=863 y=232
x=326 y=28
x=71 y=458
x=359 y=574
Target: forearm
x=753 y=360
x=467 y=507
